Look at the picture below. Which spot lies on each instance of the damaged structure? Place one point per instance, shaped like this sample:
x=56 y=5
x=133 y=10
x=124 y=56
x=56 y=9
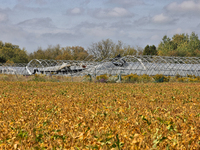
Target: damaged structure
x=131 y=64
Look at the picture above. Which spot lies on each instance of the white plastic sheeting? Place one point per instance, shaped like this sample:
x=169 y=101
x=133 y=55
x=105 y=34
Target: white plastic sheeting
x=150 y=65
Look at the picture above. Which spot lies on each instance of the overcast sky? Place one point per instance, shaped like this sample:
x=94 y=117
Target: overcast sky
x=40 y=23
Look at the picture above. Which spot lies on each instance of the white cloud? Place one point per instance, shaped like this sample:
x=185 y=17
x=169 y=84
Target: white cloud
x=27 y=9
x=155 y=37
x=116 y=12
x=163 y=19
x=75 y=11
x=3 y=17
x=185 y=6
x=99 y=31
x=37 y=23
x=28 y=22
x=126 y=3
x=142 y=21
x=123 y=24
x=40 y=2
x=85 y=2
x=16 y=35
x=175 y=31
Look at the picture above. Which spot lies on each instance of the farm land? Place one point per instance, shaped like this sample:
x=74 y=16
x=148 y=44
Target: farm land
x=64 y=115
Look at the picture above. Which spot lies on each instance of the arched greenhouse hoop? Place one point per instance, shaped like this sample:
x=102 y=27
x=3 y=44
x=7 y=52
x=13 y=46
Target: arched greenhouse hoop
x=131 y=64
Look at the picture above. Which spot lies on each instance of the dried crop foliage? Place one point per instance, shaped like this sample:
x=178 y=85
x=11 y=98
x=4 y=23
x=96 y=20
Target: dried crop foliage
x=49 y=115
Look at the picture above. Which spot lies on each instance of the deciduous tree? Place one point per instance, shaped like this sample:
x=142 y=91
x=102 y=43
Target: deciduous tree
x=12 y=53
x=109 y=49
x=180 y=45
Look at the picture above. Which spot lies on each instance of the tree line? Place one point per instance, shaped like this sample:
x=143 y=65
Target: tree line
x=183 y=45
x=12 y=53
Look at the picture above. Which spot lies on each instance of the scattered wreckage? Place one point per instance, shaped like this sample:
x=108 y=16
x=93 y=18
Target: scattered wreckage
x=69 y=68
x=131 y=64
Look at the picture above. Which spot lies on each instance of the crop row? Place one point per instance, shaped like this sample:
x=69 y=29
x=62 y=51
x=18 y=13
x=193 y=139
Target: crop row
x=49 y=115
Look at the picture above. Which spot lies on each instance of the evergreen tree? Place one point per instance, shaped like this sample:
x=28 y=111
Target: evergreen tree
x=150 y=50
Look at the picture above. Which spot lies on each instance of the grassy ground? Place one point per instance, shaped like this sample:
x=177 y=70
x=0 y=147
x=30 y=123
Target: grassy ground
x=131 y=78
x=66 y=115
x=40 y=78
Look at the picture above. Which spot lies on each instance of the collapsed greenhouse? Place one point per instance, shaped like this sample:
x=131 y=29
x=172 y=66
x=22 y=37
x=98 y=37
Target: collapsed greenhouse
x=131 y=64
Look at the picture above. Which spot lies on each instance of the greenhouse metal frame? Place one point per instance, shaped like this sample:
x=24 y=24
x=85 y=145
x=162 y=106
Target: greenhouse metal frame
x=131 y=64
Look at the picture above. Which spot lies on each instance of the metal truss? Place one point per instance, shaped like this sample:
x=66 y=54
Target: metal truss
x=131 y=64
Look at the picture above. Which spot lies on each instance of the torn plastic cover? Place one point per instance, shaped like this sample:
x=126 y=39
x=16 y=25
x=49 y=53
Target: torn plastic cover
x=118 y=61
